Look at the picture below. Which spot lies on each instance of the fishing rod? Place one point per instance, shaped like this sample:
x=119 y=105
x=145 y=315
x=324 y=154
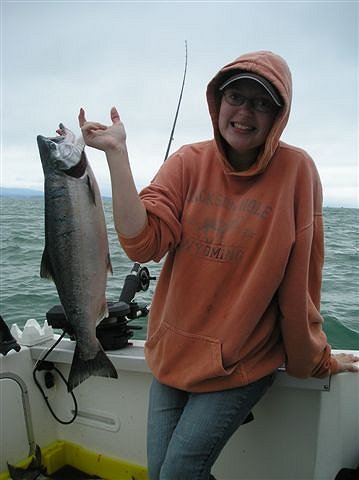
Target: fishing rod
x=178 y=105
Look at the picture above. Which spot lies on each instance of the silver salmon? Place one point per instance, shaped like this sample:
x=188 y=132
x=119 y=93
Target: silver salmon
x=76 y=254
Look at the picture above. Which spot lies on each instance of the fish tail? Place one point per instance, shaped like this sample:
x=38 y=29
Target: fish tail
x=81 y=369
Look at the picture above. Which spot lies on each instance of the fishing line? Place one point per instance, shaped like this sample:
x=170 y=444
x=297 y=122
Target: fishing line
x=40 y=366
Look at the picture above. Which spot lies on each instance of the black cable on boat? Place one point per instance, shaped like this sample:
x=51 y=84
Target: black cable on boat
x=178 y=105
x=49 y=366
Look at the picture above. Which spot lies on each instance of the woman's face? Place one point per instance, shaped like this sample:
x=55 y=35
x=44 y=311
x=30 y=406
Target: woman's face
x=245 y=127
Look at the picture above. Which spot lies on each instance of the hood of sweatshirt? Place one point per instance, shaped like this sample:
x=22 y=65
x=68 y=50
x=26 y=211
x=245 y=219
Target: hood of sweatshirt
x=273 y=68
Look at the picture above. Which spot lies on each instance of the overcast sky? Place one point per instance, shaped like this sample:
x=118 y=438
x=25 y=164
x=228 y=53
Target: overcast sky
x=58 y=56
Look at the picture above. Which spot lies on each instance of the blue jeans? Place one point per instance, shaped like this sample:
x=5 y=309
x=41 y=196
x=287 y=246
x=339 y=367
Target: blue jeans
x=187 y=431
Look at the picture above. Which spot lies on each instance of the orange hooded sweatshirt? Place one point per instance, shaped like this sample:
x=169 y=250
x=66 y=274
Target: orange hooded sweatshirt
x=239 y=292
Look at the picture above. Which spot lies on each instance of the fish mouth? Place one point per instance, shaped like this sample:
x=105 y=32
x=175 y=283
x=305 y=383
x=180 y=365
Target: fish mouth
x=46 y=141
x=46 y=144
x=56 y=139
x=63 y=134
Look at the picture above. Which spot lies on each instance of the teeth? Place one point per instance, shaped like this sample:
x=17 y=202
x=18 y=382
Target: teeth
x=241 y=126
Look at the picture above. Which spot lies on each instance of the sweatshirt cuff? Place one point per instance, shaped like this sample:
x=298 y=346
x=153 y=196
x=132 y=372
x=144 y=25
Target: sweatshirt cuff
x=129 y=241
x=138 y=248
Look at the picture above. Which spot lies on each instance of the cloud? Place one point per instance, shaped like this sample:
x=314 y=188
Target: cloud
x=59 y=56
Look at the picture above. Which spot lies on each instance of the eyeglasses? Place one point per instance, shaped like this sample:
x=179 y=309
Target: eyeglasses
x=259 y=104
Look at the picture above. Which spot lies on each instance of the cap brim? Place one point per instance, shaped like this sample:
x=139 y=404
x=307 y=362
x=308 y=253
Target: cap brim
x=262 y=81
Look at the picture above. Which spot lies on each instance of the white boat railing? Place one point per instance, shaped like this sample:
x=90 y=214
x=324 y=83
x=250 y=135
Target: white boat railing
x=302 y=429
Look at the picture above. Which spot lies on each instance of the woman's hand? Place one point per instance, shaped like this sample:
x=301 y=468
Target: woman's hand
x=129 y=213
x=347 y=362
x=106 y=138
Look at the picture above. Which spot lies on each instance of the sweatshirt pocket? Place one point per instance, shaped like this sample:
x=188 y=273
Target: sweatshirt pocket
x=183 y=359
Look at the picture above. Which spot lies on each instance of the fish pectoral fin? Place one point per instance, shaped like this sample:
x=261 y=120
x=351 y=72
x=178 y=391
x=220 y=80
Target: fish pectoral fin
x=45 y=268
x=81 y=369
x=92 y=189
x=103 y=312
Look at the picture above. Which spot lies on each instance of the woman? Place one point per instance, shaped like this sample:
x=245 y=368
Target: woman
x=240 y=220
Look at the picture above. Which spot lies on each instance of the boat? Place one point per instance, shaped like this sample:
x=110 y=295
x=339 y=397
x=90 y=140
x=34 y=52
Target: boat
x=302 y=429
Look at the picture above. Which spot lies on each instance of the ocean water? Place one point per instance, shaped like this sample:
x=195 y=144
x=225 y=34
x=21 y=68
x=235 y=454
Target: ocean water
x=24 y=295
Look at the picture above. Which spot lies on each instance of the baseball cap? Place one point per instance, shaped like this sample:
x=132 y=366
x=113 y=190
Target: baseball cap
x=253 y=76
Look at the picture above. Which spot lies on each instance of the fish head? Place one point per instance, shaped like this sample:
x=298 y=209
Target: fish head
x=61 y=153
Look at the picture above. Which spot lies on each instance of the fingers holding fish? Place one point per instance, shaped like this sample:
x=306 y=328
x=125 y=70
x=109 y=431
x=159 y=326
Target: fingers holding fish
x=61 y=130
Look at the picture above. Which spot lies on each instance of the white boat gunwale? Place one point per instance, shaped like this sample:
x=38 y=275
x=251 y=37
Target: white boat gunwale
x=303 y=429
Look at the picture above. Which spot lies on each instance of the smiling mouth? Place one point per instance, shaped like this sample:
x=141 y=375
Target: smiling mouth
x=242 y=127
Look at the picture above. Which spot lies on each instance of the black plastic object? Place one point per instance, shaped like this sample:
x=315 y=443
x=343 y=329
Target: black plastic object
x=138 y=279
x=348 y=474
x=114 y=331
x=71 y=473
x=7 y=341
x=249 y=418
x=33 y=471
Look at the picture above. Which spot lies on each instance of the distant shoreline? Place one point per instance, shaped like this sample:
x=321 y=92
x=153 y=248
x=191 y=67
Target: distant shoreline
x=20 y=192
x=25 y=193
x=29 y=193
